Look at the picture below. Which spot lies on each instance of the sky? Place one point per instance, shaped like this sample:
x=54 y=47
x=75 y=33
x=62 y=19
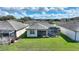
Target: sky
x=41 y=12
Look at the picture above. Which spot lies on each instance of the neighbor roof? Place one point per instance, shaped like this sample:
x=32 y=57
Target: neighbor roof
x=11 y=25
x=38 y=25
x=70 y=25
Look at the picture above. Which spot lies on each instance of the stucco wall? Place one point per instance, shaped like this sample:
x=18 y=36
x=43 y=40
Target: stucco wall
x=31 y=35
x=20 y=32
x=68 y=33
x=77 y=36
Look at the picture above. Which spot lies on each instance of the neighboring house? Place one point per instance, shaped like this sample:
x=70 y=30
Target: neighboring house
x=41 y=29
x=70 y=29
x=10 y=30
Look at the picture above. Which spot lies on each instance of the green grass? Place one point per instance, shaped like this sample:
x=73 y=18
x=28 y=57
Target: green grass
x=61 y=43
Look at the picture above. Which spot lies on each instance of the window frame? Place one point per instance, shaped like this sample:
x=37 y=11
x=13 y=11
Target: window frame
x=32 y=31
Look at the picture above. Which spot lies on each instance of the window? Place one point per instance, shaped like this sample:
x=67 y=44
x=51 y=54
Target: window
x=12 y=34
x=5 y=34
x=0 y=35
x=32 y=32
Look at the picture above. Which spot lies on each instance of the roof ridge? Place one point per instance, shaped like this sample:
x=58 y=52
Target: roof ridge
x=11 y=24
x=43 y=25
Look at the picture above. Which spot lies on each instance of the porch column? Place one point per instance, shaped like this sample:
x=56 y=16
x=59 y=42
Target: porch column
x=2 y=38
x=9 y=36
x=46 y=33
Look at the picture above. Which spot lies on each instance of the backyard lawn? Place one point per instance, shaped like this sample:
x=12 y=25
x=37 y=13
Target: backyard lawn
x=60 y=43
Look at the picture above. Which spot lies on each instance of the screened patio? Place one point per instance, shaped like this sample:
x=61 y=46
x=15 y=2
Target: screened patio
x=6 y=36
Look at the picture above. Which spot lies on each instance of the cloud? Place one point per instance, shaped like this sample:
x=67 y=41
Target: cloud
x=41 y=12
x=57 y=8
x=2 y=13
x=72 y=12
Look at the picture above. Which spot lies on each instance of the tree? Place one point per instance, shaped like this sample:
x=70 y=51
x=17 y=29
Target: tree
x=24 y=19
x=8 y=17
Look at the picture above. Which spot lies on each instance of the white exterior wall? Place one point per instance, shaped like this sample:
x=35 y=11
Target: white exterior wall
x=67 y=32
x=20 y=32
x=77 y=36
x=31 y=35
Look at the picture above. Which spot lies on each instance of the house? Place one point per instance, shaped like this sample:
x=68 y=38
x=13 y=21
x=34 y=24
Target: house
x=70 y=29
x=10 y=30
x=41 y=29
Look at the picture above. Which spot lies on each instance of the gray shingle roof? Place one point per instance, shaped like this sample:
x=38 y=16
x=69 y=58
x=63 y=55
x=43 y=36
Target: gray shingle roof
x=16 y=25
x=38 y=25
x=5 y=26
x=71 y=25
x=11 y=25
